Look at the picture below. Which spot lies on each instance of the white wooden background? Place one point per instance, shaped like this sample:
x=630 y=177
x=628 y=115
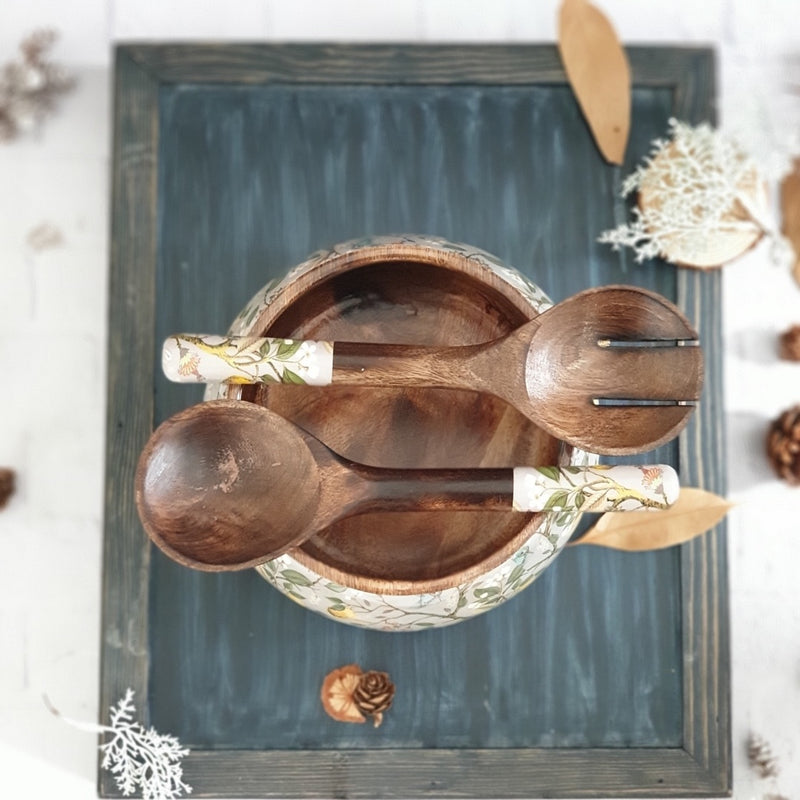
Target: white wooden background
x=53 y=334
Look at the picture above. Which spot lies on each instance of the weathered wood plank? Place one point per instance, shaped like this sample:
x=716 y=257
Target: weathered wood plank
x=702 y=458
x=446 y=64
x=452 y=774
x=126 y=562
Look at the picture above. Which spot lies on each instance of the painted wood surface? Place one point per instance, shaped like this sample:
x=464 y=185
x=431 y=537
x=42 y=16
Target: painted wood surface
x=609 y=675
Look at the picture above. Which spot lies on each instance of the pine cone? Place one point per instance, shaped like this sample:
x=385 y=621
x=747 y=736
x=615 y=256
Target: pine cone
x=783 y=445
x=374 y=695
x=790 y=344
x=6 y=485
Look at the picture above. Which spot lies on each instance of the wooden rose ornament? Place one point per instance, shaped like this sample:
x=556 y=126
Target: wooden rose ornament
x=350 y=695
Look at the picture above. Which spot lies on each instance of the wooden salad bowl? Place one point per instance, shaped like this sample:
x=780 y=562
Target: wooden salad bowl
x=414 y=291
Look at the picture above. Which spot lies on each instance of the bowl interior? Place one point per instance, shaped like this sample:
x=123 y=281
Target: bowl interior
x=414 y=302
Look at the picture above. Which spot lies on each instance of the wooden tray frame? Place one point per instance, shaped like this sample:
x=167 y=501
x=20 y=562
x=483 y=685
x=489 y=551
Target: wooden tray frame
x=702 y=765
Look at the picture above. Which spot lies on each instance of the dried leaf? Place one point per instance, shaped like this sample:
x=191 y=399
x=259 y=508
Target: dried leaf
x=761 y=758
x=337 y=694
x=695 y=512
x=598 y=71
x=790 y=213
x=789 y=344
x=44 y=236
x=7 y=481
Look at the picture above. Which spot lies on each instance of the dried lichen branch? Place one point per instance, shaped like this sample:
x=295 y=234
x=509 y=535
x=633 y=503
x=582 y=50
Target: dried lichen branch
x=136 y=756
x=30 y=86
x=696 y=189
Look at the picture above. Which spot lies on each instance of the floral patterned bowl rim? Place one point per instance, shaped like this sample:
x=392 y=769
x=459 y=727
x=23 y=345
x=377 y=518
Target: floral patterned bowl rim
x=414 y=611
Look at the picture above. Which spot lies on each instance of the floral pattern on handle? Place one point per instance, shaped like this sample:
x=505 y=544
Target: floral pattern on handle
x=599 y=488
x=196 y=358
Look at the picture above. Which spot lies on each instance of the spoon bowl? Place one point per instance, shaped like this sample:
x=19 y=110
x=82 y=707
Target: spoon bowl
x=209 y=492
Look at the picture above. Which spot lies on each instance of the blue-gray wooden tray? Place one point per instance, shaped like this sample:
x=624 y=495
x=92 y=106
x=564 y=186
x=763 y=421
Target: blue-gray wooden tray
x=609 y=676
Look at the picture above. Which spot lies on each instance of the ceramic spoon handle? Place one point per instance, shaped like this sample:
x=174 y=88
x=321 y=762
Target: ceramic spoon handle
x=203 y=358
x=577 y=489
x=598 y=489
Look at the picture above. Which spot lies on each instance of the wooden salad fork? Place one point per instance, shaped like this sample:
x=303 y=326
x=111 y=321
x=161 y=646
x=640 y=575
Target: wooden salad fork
x=614 y=370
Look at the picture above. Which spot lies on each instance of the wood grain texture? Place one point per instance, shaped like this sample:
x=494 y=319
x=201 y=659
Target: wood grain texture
x=403 y=64
x=455 y=773
x=211 y=477
x=554 y=371
x=702 y=452
x=415 y=295
x=124 y=659
x=635 y=680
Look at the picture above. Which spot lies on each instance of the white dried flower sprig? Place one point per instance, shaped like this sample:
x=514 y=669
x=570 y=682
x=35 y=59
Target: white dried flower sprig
x=761 y=758
x=694 y=188
x=30 y=86
x=136 y=756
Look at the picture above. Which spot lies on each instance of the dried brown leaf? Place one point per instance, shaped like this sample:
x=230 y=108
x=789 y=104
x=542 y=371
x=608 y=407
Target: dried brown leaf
x=789 y=344
x=599 y=74
x=44 y=236
x=790 y=213
x=7 y=481
x=695 y=512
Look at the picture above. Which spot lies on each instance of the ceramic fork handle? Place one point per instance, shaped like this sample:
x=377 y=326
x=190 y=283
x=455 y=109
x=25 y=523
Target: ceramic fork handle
x=203 y=358
x=598 y=489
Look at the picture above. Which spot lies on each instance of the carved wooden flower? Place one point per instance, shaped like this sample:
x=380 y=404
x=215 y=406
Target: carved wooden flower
x=348 y=694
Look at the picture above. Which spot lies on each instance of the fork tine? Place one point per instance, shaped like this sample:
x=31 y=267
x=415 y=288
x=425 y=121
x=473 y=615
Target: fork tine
x=638 y=401
x=648 y=343
x=639 y=427
x=644 y=373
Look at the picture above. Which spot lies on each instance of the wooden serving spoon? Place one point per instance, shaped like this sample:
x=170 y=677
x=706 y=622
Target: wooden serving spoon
x=228 y=484
x=614 y=370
